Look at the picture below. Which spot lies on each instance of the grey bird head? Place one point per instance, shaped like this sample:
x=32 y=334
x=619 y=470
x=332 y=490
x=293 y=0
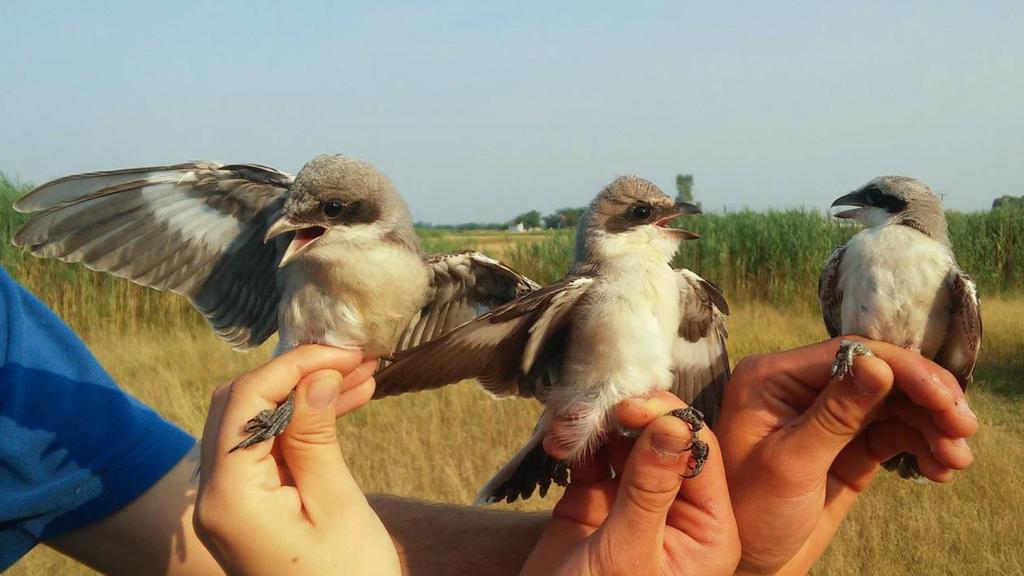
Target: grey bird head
x=336 y=199
x=895 y=200
x=630 y=217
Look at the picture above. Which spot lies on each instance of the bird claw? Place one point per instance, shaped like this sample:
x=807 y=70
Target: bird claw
x=699 y=449
x=267 y=424
x=848 y=351
x=694 y=418
x=700 y=453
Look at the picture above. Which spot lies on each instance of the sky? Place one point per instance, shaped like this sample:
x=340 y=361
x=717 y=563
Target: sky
x=480 y=111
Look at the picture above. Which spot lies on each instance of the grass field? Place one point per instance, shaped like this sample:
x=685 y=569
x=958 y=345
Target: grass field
x=443 y=445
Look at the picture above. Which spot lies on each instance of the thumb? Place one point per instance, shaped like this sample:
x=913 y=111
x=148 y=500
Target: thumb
x=650 y=484
x=842 y=410
x=310 y=447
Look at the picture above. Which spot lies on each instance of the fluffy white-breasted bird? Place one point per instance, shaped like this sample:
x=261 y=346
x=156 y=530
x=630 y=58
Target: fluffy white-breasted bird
x=898 y=281
x=328 y=257
x=621 y=324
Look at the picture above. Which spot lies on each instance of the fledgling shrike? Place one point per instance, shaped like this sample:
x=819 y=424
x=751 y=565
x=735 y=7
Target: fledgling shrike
x=898 y=281
x=327 y=257
x=622 y=323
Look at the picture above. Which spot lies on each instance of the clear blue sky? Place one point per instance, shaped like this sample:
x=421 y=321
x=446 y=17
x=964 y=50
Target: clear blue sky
x=479 y=113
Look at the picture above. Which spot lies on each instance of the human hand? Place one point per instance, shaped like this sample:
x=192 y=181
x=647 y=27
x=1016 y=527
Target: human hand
x=290 y=506
x=799 y=446
x=648 y=519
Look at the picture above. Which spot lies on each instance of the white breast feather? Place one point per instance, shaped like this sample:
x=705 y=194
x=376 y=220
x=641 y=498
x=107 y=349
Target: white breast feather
x=894 y=282
x=621 y=347
x=358 y=294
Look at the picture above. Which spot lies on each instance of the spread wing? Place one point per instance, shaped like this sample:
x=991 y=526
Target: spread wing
x=506 y=349
x=701 y=362
x=463 y=285
x=195 y=229
x=829 y=294
x=959 y=351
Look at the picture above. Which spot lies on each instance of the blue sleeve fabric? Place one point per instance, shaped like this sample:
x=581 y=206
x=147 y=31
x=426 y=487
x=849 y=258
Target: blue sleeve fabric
x=74 y=448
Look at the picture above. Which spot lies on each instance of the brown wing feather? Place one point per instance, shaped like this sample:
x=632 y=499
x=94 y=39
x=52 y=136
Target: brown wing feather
x=490 y=348
x=701 y=361
x=959 y=352
x=829 y=294
x=195 y=229
x=463 y=285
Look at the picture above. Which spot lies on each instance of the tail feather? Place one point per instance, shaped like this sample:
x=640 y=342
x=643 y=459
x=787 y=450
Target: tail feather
x=529 y=470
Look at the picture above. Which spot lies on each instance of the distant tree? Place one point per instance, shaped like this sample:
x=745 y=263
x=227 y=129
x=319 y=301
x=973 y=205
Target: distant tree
x=1008 y=202
x=529 y=219
x=571 y=216
x=684 y=187
x=563 y=218
x=463 y=226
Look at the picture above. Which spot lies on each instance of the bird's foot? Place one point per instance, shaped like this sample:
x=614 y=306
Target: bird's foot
x=268 y=423
x=699 y=455
x=848 y=351
x=698 y=448
x=694 y=418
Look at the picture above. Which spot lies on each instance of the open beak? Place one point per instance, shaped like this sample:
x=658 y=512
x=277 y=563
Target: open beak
x=680 y=209
x=305 y=236
x=855 y=199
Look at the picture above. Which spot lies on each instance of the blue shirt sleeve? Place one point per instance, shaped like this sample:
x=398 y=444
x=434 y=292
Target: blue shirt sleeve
x=74 y=448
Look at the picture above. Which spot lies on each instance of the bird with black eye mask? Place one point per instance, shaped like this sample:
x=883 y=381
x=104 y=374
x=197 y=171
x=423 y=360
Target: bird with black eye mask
x=622 y=323
x=898 y=281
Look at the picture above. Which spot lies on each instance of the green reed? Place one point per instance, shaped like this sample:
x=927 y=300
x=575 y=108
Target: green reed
x=772 y=256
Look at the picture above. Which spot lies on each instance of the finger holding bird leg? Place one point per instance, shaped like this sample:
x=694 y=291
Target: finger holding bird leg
x=930 y=386
x=630 y=416
x=266 y=387
x=698 y=449
x=634 y=414
x=267 y=423
x=848 y=351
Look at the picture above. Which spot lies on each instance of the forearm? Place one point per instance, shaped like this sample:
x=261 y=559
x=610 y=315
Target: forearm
x=448 y=539
x=152 y=535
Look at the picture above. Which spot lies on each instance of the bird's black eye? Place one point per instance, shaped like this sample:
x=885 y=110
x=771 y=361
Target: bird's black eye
x=640 y=211
x=874 y=196
x=332 y=208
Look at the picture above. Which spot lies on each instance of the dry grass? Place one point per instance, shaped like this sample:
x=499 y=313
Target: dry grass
x=443 y=445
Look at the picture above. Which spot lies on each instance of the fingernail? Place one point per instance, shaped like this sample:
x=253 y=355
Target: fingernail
x=323 y=391
x=965 y=409
x=668 y=445
x=937 y=382
x=868 y=385
x=962 y=444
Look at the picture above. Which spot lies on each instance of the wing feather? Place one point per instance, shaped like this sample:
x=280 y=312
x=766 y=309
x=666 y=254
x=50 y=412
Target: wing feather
x=463 y=285
x=69 y=188
x=195 y=229
x=959 y=352
x=700 y=358
x=490 y=348
x=829 y=294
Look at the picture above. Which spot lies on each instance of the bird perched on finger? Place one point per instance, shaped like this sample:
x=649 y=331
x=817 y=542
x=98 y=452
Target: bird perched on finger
x=898 y=281
x=327 y=257
x=622 y=323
